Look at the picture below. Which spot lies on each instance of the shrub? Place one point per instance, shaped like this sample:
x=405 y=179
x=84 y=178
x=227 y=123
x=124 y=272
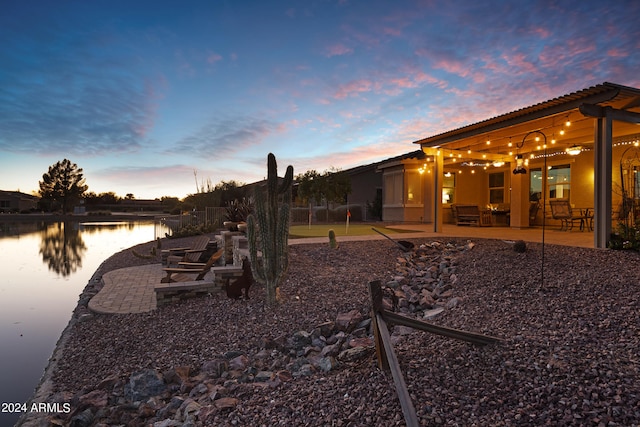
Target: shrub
x=625 y=237
x=192 y=230
x=520 y=246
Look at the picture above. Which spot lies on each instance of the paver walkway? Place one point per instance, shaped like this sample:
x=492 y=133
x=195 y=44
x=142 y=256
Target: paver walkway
x=128 y=290
x=131 y=289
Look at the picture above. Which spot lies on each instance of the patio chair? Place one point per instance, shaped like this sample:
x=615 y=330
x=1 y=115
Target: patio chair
x=562 y=211
x=534 y=206
x=190 y=254
x=190 y=271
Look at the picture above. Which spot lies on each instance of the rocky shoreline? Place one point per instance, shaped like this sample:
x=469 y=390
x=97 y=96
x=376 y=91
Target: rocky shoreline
x=569 y=354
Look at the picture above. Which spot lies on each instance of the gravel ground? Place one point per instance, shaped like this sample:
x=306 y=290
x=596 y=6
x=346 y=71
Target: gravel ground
x=569 y=355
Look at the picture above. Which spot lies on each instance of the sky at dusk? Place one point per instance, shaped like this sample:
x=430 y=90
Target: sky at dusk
x=151 y=97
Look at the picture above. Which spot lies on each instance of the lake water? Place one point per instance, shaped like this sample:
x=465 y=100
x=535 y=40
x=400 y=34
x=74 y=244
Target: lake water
x=45 y=267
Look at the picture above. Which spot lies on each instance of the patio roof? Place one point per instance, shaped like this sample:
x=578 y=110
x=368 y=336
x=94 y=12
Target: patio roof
x=497 y=137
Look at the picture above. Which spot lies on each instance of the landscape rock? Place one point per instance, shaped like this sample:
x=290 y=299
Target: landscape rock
x=144 y=384
x=346 y=322
x=570 y=363
x=353 y=354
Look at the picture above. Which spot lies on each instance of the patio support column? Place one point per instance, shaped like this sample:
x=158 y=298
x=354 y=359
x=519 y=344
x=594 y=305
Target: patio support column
x=438 y=173
x=519 y=201
x=602 y=180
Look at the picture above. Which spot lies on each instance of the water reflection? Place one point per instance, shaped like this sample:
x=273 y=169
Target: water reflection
x=48 y=264
x=62 y=248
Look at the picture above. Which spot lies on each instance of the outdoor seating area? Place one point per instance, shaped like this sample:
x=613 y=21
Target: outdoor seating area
x=471 y=215
x=188 y=271
x=562 y=210
x=190 y=279
x=190 y=254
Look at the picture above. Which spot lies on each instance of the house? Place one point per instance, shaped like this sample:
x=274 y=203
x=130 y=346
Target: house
x=582 y=147
x=366 y=187
x=15 y=201
x=404 y=192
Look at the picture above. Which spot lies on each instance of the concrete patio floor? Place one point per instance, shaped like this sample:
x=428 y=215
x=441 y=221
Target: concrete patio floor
x=552 y=234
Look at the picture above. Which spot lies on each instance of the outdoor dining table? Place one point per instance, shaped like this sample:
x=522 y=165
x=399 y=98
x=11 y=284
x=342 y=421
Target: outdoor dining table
x=587 y=222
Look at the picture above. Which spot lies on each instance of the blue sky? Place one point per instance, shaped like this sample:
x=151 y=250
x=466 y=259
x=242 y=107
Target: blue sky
x=142 y=94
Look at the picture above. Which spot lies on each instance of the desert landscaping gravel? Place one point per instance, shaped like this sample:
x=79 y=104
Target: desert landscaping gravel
x=569 y=355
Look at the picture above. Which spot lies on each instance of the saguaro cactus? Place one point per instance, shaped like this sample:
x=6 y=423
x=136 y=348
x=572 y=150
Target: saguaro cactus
x=333 y=243
x=268 y=230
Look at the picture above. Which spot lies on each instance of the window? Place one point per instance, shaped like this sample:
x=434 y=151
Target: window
x=414 y=188
x=559 y=181
x=496 y=187
x=535 y=185
x=393 y=188
x=448 y=188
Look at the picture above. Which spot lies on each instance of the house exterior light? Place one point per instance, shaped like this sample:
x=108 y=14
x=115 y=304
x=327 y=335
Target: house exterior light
x=574 y=150
x=519 y=165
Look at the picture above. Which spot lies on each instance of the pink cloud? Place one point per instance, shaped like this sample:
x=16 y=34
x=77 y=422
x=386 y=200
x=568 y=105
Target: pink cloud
x=541 y=32
x=519 y=64
x=213 y=58
x=391 y=31
x=617 y=53
x=354 y=87
x=579 y=46
x=453 y=66
x=404 y=82
x=337 y=50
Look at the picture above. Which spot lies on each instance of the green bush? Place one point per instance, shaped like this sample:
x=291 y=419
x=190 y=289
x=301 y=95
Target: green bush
x=625 y=237
x=192 y=230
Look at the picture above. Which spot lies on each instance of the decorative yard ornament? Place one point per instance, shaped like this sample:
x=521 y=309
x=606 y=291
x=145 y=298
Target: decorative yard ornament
x=268 y=230
x=544 y=190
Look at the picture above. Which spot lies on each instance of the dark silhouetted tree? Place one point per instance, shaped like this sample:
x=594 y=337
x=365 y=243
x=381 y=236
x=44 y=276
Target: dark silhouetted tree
x=332 y=185
x=63 y=185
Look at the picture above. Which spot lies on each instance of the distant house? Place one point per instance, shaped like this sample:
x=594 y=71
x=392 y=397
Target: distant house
x=15 y=201
x=403 y=192
x=366 y=186
x=132 y=205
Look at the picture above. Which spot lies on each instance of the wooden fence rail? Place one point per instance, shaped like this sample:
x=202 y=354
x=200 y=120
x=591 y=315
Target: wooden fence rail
x=387 y=359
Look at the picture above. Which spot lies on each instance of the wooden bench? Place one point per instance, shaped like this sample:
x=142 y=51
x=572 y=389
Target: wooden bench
x=471 y=215
x=167 y=293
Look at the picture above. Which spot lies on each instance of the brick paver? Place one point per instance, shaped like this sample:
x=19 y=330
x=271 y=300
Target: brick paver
x=128 y=290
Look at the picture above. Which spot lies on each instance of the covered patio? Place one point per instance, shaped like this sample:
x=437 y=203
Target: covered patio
x=568 y=148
